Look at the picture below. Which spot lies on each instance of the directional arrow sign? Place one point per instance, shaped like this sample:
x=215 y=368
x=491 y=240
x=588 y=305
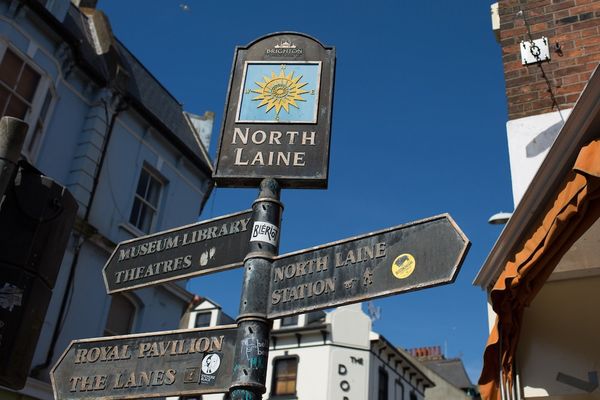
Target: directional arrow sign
x=173 y=363
x=407 y=257
x=192 y=250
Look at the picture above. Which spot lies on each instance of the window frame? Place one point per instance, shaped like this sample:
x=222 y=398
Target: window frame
x=383 y=372
x=199 y=313
x=399 y=384
x=273 y=394
x=153 y=174
x=287 y=322
x=136 y=308
x=37 y=122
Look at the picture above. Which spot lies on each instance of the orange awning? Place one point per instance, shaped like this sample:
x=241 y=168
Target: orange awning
x=574 y=208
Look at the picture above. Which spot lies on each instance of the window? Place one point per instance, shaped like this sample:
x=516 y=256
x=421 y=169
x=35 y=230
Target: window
x=289 y=321
x=413 y=395
x=202 y=320
x=120 y=316
x=18 y=85
x=24 y=95
x=382 y=390
x=285 y=373
x=145 y=203
x=399 y=391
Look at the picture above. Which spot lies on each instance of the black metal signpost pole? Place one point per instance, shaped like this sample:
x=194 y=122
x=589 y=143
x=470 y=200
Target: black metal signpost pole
x=250 y=362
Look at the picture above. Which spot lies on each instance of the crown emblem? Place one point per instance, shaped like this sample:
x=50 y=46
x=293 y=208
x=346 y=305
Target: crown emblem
x=285 y=44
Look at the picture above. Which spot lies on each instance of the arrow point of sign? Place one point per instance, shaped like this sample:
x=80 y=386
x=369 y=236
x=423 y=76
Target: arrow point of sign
x=437 y=241
x=465 y=248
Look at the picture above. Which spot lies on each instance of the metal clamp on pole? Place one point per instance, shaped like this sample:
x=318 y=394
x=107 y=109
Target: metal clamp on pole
x=12 y=137
x=250 y=362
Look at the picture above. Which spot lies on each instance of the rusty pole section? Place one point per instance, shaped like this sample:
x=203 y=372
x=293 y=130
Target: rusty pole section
x=250 y=362
x=12 y=137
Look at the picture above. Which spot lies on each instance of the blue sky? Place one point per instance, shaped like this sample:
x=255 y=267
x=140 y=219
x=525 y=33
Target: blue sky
x=418 y=129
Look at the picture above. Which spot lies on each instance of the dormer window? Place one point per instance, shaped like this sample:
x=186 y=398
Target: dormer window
x=289 y=321
x=202 y=320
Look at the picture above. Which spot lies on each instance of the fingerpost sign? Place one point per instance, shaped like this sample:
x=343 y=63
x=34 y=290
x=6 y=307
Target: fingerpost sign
x=275 y=134
x=172 y=363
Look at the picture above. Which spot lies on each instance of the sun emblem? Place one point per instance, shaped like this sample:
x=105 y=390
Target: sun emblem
x=280 y=91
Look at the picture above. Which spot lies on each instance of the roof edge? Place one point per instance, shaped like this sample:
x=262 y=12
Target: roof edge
x=268 y=35
x=409 y=359
x=178 y=291
x=203 y=149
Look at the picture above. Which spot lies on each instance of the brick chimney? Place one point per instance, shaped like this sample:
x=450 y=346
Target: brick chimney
x=85 y=3
x=540 y=92
x=572 y=30
x=427 y=353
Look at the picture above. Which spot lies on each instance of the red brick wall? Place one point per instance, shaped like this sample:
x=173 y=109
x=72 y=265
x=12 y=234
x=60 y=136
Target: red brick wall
x=575 y=25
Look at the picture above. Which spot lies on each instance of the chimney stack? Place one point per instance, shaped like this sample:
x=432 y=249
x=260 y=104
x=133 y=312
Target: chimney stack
x=85 y=3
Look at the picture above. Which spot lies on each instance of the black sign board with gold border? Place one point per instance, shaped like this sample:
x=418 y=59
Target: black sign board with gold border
x=277 y=118
x=157 y=364
x=403 y=258
x=184 y=252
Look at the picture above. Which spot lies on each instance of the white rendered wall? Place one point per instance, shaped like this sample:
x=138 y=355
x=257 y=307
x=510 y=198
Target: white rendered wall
x=350 y=326
x=529 y=139
x=348 y=374
x=312 y=378
x=560 y=335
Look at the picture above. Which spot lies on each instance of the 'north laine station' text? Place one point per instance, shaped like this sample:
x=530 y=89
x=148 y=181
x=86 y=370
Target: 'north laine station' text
x=317 y=267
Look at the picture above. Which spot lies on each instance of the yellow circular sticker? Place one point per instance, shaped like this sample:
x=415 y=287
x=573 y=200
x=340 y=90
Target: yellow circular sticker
x=403 y=266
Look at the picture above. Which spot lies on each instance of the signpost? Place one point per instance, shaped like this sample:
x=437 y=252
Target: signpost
x=276 y=132
x=173 y=363
x=192 y=250
x=408 y=257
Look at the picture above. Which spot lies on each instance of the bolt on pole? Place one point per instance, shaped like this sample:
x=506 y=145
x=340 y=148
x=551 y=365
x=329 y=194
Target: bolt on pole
x=251 y=358
x=12 y=137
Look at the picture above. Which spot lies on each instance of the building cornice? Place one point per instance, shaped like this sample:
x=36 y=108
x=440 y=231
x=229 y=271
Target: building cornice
x=582 y=126
x=301 y=329
x=380 y=344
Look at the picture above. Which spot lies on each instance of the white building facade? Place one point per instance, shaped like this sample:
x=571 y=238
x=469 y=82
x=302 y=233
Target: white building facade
x=105 y=128
x=323 y=356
